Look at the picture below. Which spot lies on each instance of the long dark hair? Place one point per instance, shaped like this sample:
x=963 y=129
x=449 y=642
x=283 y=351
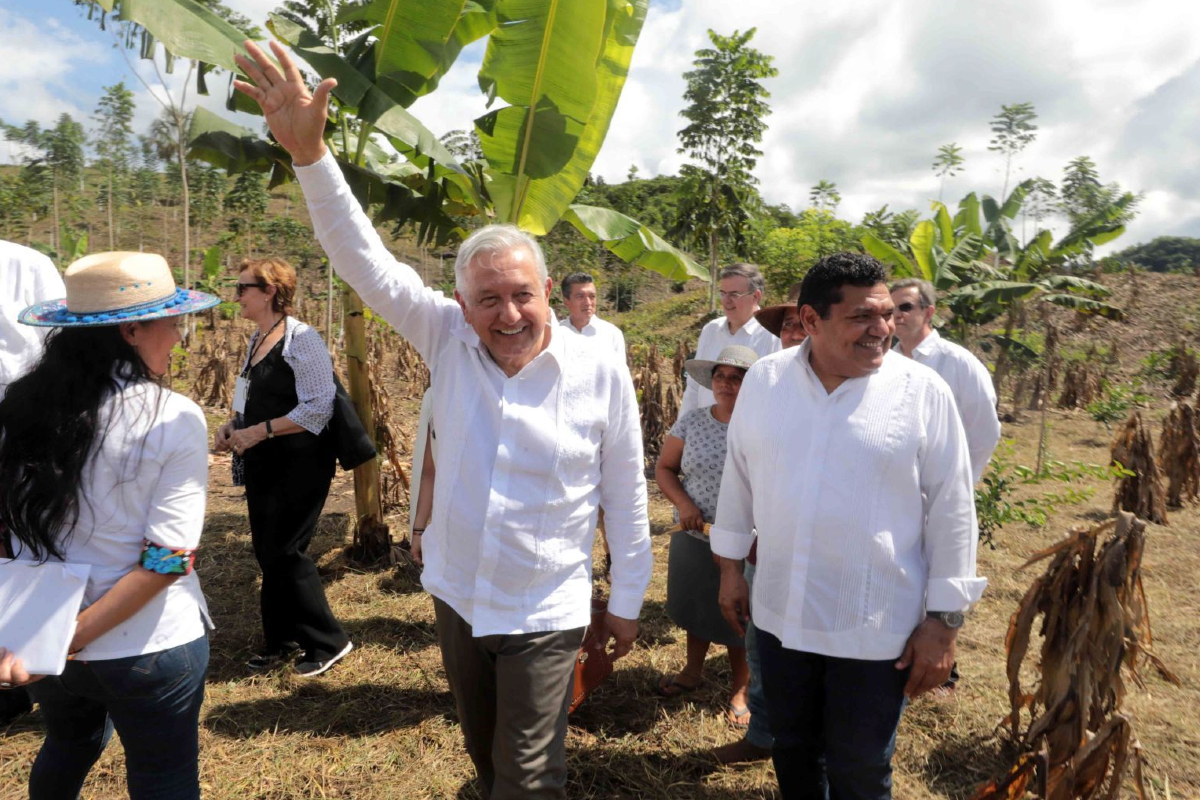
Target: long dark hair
x=50 y=427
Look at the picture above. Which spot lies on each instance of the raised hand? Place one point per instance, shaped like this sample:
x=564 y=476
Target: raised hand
x=295 y=116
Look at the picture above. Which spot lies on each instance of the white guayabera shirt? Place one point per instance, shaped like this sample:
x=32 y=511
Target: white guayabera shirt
x=523 y=462
x=714 y=338
x=602 y=330
x=862 y=499
x=974 y=395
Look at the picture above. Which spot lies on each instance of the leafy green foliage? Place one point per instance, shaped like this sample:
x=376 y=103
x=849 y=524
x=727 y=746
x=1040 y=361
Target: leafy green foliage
x=1114 y=403
x=787 y=253
x=1163 y=254
x=1013 y=130
x=995 y=506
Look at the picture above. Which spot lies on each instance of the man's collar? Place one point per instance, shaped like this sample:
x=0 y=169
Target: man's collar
x=928 y=344
x=751 y=326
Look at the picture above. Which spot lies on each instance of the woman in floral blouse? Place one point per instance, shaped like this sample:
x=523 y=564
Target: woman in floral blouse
x=689 y=473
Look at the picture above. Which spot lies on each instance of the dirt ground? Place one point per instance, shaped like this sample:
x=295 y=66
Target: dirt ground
x=382 y=723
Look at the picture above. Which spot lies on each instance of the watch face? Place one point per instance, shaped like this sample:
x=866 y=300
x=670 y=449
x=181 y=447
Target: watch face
x=953 y=618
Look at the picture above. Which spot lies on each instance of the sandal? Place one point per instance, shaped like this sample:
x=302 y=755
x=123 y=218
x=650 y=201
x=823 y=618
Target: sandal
x=669 y=686
x=732 y=714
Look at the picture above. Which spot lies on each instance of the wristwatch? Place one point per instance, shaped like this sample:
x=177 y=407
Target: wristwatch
x=951 y=619
x=270 y=433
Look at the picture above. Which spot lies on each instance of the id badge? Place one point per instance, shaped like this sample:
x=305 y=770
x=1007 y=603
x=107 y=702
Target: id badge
x=241 y=389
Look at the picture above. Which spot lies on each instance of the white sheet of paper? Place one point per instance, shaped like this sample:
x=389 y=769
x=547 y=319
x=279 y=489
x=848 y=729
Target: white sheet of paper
x=38 y=607
x=241 y=389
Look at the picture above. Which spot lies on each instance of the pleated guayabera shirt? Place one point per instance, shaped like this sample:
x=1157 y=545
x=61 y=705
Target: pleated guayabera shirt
x=862 y=499
x=523 y=461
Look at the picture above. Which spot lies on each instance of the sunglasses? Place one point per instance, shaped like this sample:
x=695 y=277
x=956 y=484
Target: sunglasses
x=905 y=308
x=242 y=287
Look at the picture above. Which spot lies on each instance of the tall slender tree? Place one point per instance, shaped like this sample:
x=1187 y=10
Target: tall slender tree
x=825 y=196
x=726 y=117
x=114 y=149
x=1013 y=130
x=946 y=164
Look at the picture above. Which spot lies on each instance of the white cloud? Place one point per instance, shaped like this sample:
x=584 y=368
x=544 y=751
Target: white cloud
x=866 y=94
x=41 y=62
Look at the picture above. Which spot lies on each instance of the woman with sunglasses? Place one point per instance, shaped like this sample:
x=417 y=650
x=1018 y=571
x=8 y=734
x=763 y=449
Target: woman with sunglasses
x=282 y=404
x=102 y=466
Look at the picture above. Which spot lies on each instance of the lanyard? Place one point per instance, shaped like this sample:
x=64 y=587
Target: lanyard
x=254 y=352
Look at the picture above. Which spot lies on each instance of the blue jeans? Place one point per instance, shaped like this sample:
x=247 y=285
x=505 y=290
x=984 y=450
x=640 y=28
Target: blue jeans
x=759 y=732
x=834 y=721
x=153 y=702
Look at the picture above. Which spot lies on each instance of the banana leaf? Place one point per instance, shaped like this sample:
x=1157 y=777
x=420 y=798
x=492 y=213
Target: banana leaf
x=186 y=29
x=419 y=40
x=1070 y=283
x=561 y=67
x=219 y=142
x=921 y=243
x=967 y=216
x=633 y=242
x=998 y=292
x=945 y=226
x=356 y=91
x=901 y=266
x=1085 y=305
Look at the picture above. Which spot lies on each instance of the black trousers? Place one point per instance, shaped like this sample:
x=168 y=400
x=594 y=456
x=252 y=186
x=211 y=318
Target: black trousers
x=286 y=486
x=834 y=721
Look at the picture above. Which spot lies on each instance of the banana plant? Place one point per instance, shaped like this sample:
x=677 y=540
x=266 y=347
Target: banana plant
x=558 y=67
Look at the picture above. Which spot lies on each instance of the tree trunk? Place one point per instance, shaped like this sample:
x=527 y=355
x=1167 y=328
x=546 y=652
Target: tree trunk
x=1002 y=359
x=372 y=541
x=187 y=222
x=111 y=241
x=712 y=271
x=54 y=235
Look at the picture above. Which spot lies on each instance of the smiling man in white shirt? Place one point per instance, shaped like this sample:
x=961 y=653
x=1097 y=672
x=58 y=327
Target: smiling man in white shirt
x=851 y=463
x=536 y=429
x=741 y=289
x=579 y=295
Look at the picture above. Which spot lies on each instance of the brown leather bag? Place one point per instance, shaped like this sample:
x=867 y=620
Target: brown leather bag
x=592 y=664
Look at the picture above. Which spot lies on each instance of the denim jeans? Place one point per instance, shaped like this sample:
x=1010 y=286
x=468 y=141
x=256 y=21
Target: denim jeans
x=834 y=721
x=759 y=732
x=153 y=702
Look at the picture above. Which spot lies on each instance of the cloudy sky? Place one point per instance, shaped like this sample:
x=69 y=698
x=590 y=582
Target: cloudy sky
x=867 y=92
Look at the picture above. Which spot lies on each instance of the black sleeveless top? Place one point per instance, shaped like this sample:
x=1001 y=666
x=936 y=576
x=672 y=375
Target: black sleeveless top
x=273 y=394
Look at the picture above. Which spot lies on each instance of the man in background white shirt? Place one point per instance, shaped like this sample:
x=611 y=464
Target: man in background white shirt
x=851 y=463
x=969 y=380
x=741 y=289
x=533 y=436
x=26 y=277
x=579 y=296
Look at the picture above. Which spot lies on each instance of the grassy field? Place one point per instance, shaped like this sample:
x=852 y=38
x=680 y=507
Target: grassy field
x=382 y=724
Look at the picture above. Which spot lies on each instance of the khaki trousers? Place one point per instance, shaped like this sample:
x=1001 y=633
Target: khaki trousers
x=512 y=693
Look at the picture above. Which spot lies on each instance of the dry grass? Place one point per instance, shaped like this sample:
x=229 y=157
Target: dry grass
x=382 y=724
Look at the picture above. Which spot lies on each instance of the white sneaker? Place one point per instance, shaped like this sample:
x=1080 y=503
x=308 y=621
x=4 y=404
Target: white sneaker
x=310 y=668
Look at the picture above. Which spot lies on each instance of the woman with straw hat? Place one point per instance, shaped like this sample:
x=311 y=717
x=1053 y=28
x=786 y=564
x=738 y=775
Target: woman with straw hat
x=103 y=466
x=689 y=473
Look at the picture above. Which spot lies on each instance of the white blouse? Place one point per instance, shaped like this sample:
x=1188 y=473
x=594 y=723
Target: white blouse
x=862 y=499
x=144 y=487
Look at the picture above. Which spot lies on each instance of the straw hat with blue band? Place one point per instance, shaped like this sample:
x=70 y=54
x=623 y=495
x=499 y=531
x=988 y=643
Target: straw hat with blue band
x=111 y=288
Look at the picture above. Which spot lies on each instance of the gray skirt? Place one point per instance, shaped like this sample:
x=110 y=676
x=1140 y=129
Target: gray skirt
x=693 y=583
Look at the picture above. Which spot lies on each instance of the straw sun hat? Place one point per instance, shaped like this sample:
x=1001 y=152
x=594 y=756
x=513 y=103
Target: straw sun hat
x=110 y=288
x=735 y=355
